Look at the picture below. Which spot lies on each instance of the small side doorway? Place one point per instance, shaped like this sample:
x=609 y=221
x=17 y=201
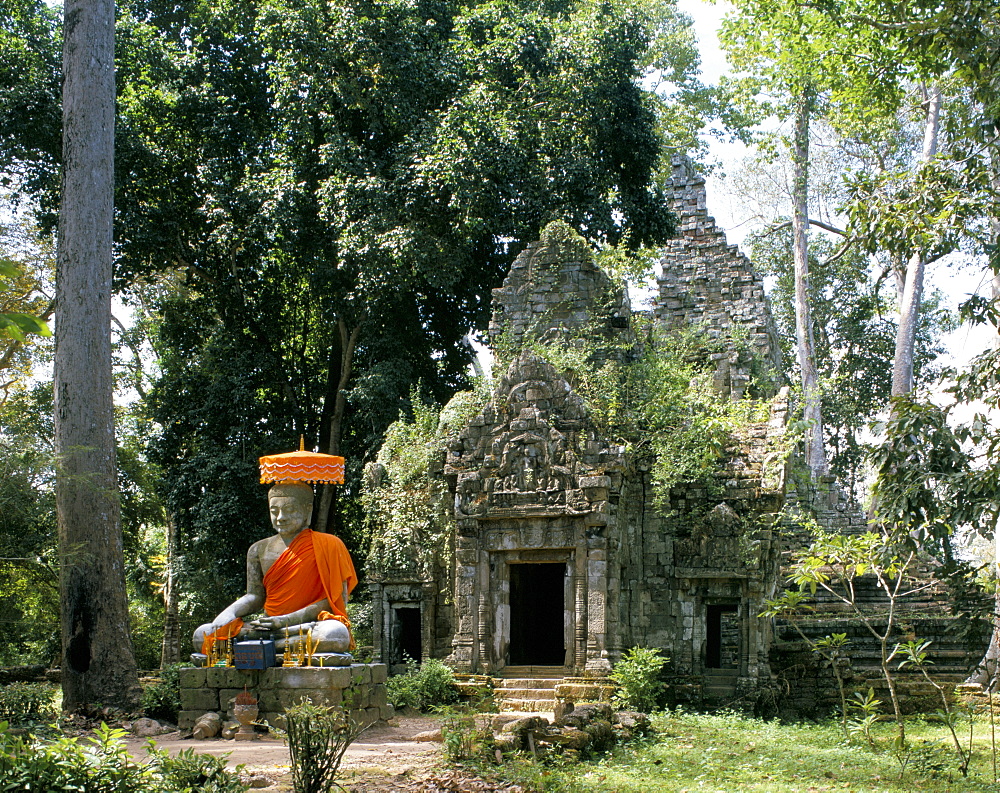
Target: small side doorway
x=722 y=636
x=405 y=634
x=537 y=614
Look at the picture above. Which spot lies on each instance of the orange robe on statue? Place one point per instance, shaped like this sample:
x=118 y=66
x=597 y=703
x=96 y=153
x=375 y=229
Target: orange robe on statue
x=313 y=567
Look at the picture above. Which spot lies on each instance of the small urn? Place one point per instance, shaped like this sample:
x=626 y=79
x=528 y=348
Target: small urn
x=245 y=710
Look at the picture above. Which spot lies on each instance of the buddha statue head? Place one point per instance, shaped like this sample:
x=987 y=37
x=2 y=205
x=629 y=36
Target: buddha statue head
x=290 y=505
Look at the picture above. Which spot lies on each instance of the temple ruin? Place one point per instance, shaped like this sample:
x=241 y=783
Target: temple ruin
x=555 y=556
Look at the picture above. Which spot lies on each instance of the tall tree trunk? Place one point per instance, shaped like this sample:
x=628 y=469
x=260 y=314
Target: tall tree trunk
x=348 y=340
x=98 y=663
x=170 y=650
x=988 y=672
x=913 y=289
x=805 y=344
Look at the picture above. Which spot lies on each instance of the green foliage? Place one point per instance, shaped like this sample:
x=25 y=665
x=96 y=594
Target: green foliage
x=189 y=771
x=29 y=578
x=30 y=139
x=463 y=406
x=623 y=263
x=658 y=399
x=317 y=738
x=923 y=478
x=835 y=562
x=351 y=184
x=27 y=703
x=17 y=326
x=406 y=529
x=639 y=678
x=162 y=699
x=27 y=263
x=463 y=738
x=422 y=686
x=867 y=713
x=914 y=653
x=855 y=332
x=791 y=604
x=315 y=199
x=409 y=446
x=360 y=613
x=29 y=575
x=101 y=764
x=730 y=752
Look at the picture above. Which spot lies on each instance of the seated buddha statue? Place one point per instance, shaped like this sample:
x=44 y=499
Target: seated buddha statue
x=300 y=578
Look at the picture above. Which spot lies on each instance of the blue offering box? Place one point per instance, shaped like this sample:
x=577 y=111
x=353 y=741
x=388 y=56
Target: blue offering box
x=257 y=654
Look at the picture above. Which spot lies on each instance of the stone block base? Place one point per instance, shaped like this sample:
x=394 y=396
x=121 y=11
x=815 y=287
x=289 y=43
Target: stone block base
x=358 y=688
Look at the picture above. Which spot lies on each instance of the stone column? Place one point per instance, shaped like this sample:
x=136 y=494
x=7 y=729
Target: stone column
x=580 y=633
x=484 y=654
x=597 y=662
x=466 y=611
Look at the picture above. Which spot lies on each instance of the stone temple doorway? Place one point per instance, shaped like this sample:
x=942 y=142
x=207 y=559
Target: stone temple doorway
x=405 y=635
x=537 y=614
x=722 y=636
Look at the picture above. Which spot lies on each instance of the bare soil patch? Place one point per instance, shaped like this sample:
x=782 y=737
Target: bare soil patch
x=384 y=758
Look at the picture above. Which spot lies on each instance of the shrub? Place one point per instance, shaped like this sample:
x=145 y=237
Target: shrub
x=27 y=703
x=638 y=677
x=68 y=764
x=101 y=764
x=188 y=771
x=423 y=687
x=317 y=739
x=463 y=739
x=162 y=700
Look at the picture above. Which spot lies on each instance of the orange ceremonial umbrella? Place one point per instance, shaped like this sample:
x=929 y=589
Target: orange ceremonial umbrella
x=302 y=466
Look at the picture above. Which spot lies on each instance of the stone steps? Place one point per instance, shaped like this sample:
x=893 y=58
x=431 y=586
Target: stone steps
x=543 y=683
x=719 y=685
x=519 y=705
x=525 y=694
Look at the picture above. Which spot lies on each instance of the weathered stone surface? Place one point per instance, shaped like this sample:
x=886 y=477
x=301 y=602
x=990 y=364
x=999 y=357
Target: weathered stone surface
x=187 y=718
x=191 y=677
x=361 y=673
x=572 y=738
x=602 y=736
x=147 y=728
x=287 y=697
x=208 y=725
x=219 y=677
x=631 y=724
x=226 y=697
x=309 y=677
x=200 y=699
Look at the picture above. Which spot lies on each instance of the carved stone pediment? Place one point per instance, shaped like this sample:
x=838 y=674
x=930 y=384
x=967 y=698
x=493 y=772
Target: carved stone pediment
x=538 y=458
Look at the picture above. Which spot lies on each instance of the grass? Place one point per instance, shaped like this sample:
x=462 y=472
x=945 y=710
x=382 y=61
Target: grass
x=729 y=752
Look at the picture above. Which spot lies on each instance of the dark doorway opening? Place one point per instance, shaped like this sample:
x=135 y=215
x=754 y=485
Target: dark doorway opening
x=407 y=634
x=537 y=606
x=722 y=639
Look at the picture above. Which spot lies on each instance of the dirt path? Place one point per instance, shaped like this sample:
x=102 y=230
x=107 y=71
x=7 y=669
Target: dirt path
x=384 y=757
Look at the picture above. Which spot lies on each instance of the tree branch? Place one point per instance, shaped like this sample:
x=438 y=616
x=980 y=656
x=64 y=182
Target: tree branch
x=812 y=222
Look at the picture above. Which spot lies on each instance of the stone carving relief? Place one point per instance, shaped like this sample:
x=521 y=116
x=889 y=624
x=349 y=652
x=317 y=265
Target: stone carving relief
x=531 y=462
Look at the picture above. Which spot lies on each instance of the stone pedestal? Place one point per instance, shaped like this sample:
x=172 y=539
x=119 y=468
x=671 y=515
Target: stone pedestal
x=359 y=688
